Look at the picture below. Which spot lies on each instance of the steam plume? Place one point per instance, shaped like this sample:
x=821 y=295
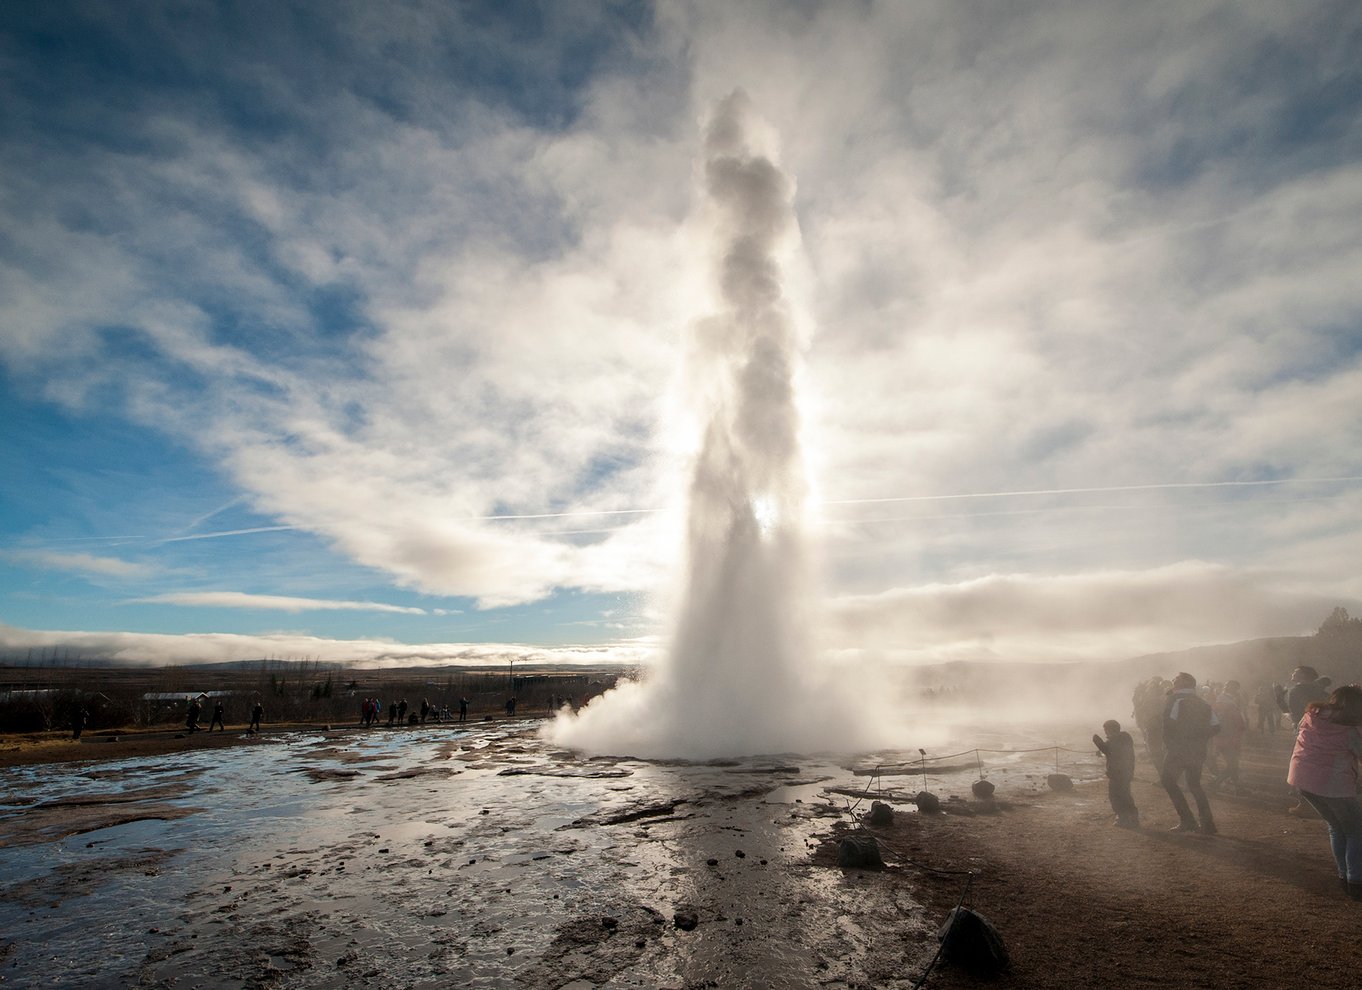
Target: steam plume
x=735 y=679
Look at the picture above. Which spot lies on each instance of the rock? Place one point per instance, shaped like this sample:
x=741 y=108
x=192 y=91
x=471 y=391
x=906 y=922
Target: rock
x=880 y=814
x=927 y=802
x=609 y=922
x=859 y=852
x=982 y=789
x=970 y=940
x=740 y=854
x=1060 y=782
x=711 y=862
x=686 y=920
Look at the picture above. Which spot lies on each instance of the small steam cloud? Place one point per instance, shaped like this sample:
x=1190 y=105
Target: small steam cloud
x=740 y=675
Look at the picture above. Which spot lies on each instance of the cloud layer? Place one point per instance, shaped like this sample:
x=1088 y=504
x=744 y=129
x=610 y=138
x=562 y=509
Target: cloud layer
x=394 y=275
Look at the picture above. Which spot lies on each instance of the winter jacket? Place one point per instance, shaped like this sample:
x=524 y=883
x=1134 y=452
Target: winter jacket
x=1188 y=724
x=1324 y=761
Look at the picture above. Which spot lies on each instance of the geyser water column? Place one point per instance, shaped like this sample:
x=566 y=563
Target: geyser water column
x=734 y=679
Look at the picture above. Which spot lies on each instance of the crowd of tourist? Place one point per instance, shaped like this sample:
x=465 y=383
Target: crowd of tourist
x=1188 y=729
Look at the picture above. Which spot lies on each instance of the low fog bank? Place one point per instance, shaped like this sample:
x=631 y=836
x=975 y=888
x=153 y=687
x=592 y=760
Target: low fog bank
x=56 y=647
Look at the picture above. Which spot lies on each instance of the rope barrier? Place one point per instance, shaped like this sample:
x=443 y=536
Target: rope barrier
x=980 y=749
x=945 y=937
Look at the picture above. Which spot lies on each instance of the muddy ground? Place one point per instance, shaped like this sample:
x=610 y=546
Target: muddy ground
x=479 y=857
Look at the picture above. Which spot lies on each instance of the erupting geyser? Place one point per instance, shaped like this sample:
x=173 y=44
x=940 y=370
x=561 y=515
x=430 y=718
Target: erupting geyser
x=735 y=678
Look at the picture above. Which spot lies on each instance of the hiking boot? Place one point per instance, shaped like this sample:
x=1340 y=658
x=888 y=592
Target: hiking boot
x=1209 y=829
x=1355 y=890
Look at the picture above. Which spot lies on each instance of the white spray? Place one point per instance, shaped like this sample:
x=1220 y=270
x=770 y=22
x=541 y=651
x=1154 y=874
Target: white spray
x=736 y=679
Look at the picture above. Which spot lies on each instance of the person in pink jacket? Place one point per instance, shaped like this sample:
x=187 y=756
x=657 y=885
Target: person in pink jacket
x=1324 y=770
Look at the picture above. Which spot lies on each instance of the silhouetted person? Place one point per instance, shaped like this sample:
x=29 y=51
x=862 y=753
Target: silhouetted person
x=78 y=722
x=1268 y=713
x=257 y=713
x=402 y=712
x=425 y=709
x=1119 y=749
x=463 y=709
x=392 y=713
x=1307 y=687
x=1149 y=701
x=510 y=706
x=219 y=710
x=191 y=721
x=1188 y=724
x=1230 y=739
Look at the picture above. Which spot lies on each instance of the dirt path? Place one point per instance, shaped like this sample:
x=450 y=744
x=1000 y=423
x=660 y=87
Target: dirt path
x=1083 y=904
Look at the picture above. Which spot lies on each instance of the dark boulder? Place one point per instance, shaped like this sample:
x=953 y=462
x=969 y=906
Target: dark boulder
x=970 y=940
x=860 y=852
x=927 y=802
x=982 y=789
x=880 y=814
x=1060 y=782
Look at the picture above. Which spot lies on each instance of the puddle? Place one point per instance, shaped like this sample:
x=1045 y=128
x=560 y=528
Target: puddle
x=421 y=868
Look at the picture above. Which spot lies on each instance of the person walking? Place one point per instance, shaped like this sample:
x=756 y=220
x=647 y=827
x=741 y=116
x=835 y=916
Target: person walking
x=1188 y=724
x=219 y=711
x=1324 y=770
x=257 y=713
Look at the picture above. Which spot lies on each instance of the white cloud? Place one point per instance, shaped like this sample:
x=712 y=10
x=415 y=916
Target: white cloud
x=82 y=563
x=280 y=603
x=1103 y=616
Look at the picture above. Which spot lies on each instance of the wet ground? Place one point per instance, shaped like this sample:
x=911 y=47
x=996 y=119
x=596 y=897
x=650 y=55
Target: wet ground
x=476 y=857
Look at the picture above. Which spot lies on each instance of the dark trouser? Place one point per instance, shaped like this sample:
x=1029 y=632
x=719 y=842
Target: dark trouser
x=1176 y=765
x=1122 y=802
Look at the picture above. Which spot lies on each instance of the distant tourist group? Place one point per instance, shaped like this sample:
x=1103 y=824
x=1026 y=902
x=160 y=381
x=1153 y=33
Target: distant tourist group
x=371 y=713
x=219 y=717
x=1185 y=727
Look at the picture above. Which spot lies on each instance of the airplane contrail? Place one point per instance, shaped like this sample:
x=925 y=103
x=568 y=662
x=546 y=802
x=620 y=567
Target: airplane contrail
x=226 y=532
x=1162 y=486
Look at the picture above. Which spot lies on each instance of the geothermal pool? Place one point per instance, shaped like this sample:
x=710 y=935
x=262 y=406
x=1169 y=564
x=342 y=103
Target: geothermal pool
x=478 y=857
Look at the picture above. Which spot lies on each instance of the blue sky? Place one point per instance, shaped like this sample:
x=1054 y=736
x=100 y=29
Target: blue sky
x=296 y=297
